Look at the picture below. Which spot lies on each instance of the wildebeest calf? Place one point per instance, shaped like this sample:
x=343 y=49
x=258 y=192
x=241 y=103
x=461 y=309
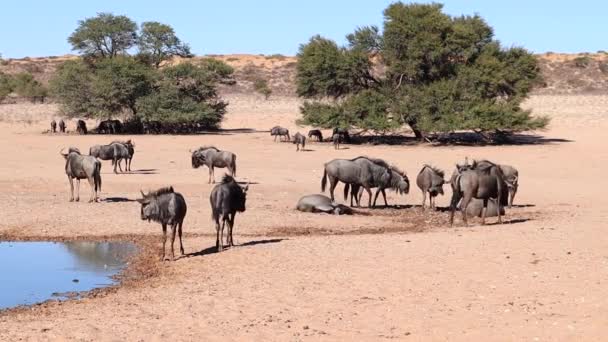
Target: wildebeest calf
x=80 y=167
x=226 y=199
x=166 y=207
x=299 y=139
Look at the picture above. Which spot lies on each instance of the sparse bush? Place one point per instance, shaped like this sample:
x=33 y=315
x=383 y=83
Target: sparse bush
x=6 y=85
x=25 y=85
x=582 y=62
x=276 y=56
x=261 y=86
x=603 y=66
x=232 y=59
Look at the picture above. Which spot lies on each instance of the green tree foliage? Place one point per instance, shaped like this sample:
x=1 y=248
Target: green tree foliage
x=426 y=69
x=185 y=93
x=105 y=35
x=6 y=85
x=72 y=85
x=261 y=86
x=25 y=85
x=158 y=43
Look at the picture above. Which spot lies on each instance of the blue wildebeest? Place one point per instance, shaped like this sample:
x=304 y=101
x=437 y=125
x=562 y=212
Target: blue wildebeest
x=81 y=127
x=212 y=158
x=61 y=126
x=116 y=126
x=130 y=148
x=226 y=199
x=53 y=126
x=336 y=139
x=114 y=152
x=364 y=173
x=343 y=132
x=278 y=131
x=105 y=127
x=80 y=167
x=166 y=207
x=511 y=176
x=399 y=182
x=484 y=180
x=315 y=133
x=430 y=179
x=298 y=140
x=322 y=204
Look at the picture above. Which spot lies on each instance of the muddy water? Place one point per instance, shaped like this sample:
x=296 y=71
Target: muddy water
x=34 y=272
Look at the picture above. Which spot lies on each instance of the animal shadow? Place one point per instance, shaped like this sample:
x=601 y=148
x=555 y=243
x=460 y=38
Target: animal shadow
x=213 y=249
x=306 y=150
x=144 y=172
x=117 y=199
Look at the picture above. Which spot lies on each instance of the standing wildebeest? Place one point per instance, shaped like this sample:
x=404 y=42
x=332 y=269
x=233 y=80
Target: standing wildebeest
x=53 y=126
x=336 y=139
x=483 y=181
x=430 y=179
x=166 y=207
x=81 y=127
x=212 y=158
x=226 y=199
x=511 y=177
x=315 y=133
x=61 y=126
x=399 y=182
x=116 y=126
x=115 y=152
x=105 y=127
x=131 y=149
x=280 y=132
x=299 y=139
x=343 y=132
x=80 y=167
x=364 y=173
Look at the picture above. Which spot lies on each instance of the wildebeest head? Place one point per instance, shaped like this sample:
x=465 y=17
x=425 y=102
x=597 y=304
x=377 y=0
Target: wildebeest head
x=242 y=198
x=150 y=209
x=70 y=150
x=198 y=159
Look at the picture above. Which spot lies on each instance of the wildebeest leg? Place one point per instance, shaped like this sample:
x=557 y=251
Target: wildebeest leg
x=93 y=196
x=369 y=193
x=376 y=196
x=164 y=240
x=179 y=232
x=455 y=199
x=71 y=188
x=230 y=229
x=465 y=203
x=173 y=228
x=484 y=210
x=221 y=238
x=511 y=196
x=119 y=166
x=77 y=189
x=217 y=234
x=432 y=202
x=423 y=199
x=332 y=186
x=114 y=162
x=210 y=175
x=384 y=196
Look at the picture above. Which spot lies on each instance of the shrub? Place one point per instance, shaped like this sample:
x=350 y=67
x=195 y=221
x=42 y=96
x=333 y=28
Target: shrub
x=582 y=62
x=261 y=86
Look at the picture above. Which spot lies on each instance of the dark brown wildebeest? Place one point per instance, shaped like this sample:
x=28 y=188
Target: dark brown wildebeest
x=80 y=167
x=61 y=126
x=226 y=199
x=212 y=158
x=399 y=182
x=364 y=173
x=81 y=127
x=315 y=133
x=166 y=207
x=53 y=126
x=280 y=132
x=430 y=179
x=298 y=140
x=485 y=181
x=337 y=139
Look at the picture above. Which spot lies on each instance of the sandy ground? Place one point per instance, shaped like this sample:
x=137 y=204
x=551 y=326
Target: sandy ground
x=392 y=274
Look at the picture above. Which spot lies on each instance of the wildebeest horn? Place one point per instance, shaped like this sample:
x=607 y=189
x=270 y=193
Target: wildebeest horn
x=246 y=187
x=142 y=194
x=61 y=152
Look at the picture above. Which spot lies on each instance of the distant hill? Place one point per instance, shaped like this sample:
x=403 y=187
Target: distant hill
x=563 y=73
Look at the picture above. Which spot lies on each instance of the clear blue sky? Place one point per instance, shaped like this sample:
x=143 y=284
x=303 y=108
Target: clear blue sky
x=40 y=28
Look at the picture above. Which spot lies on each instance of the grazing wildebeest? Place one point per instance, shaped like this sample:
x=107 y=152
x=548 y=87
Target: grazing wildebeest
x=61 y=126
x=399 y=182
x=53 y=126
x=315 y=133
x=511 y=177
x=80 y=167
x=484 y=180
x=131 y=149
x=166 y=207
x=212 y=158
x=280 y=132
x=430 y=179
x=299 y=139
x=336 y=139
x=114 y=152
x=322 y=204
x=226 y=199
x=343 y=132
x=365 y=173
x=81 y=127
x=116 y=126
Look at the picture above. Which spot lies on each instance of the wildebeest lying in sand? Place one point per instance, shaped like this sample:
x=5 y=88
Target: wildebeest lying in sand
x=315 y=133
x=485 y=181
x=115 y=152
x=280 y=132
x=130 y=149
x=399 y=182
x=226 y=199
x=322 y=204
x=80 y=167
x=430 y=180
x=361 y=171
x=166 y=207
x=298 y=140
x=53 y=126
x=212 y=157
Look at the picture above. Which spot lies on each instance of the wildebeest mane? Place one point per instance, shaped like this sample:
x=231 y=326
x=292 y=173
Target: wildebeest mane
x=161 y=191
x=434 y=169
x=227 y=179
x=376 y=161
x=208 y=147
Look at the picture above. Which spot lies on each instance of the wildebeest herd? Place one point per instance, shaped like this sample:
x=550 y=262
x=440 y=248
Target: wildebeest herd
x=481 y=188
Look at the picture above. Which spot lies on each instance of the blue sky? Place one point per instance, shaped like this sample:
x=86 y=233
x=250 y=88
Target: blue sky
x=40 y=28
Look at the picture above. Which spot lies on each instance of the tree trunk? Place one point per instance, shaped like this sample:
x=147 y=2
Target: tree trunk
x=417 y=132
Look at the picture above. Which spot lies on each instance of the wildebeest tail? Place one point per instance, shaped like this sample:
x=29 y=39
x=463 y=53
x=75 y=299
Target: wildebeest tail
x=98 y=176
x=324 y=180
x=234 y=165
x=346 y=188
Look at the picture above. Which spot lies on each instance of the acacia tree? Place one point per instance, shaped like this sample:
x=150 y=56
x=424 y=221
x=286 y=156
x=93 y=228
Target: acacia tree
x=426 y=69
x=105 y=35
x=158 y=43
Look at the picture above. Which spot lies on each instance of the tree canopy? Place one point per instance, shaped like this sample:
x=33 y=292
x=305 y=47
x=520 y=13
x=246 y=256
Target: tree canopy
x=105 y=35
x=158 y=42
x=426 y=69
